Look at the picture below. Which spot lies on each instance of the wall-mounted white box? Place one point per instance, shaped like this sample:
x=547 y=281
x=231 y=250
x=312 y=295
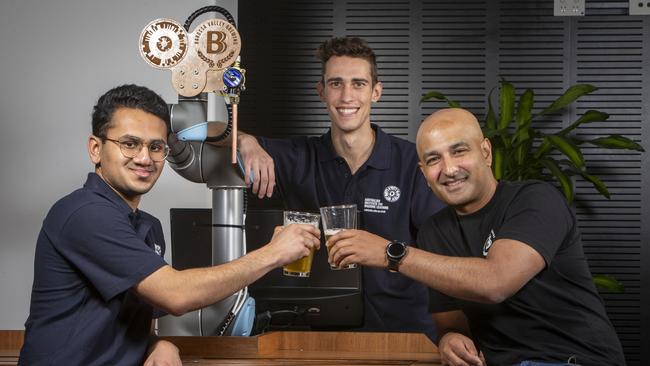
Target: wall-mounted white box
x=639 y=7
x=568 y=8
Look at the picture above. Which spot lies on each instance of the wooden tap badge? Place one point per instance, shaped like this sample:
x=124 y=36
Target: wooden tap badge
x=198 y=59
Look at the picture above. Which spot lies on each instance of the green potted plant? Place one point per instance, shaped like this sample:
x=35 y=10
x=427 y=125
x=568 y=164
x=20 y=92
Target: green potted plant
x=521 y=151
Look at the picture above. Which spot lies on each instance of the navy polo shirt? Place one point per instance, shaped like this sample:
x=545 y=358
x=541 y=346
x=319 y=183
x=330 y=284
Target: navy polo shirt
x=91 y=250
x=393 y=198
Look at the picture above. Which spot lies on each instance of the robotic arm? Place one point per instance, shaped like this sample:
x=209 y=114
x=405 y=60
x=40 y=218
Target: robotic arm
x=205 y=66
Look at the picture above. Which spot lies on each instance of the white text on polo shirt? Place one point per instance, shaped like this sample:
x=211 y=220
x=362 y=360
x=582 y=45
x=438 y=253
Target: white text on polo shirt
x=374 y=205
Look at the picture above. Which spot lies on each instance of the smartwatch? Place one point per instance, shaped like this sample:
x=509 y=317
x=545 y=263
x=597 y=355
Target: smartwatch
x=395 y=252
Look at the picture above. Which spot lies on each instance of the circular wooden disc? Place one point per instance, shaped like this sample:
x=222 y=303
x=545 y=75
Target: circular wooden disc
x=163 y=43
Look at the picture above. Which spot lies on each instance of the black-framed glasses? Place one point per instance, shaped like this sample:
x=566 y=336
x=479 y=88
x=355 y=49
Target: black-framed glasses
x=130 y=148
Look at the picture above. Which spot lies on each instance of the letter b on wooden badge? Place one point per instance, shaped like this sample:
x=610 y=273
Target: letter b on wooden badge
x=216 y=42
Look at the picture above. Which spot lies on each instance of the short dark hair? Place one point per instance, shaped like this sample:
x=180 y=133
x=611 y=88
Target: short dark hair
x=347 y=46
x=127 y=96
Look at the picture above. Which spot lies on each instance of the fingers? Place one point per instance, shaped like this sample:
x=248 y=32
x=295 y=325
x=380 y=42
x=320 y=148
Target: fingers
x=262 y=179
x=341 y=249
x=271 y=179
x=469 y=354
x=360 y=247
x=341 y=235
x=247 y=169
x=253 y=166
x=263 y=169
x=277 y=230
x=344 y=257
x=458 y=350
x=309 y=234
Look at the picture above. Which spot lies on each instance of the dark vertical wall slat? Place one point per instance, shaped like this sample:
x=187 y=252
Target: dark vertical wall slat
x=462 y=48
x=645 y=196
x=415 y=66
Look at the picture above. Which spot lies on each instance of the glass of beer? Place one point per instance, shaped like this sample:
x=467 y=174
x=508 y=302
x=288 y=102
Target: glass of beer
x=302 y=266
x=337 y=218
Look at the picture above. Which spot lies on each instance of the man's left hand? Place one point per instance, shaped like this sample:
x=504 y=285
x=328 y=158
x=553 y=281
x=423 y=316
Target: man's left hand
x=260 y=163
x=163 y=353
x=357 y=246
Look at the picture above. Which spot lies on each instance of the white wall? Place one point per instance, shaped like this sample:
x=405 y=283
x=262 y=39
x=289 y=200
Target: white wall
x=56 y=59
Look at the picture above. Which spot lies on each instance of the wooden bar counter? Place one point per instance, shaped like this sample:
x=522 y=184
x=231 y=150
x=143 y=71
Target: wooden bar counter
x=286 y=348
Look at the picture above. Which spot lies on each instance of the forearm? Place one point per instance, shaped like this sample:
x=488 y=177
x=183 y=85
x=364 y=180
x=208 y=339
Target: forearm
x=178 y=292
x=473 y=279
x=206 y=286
x=453 y=321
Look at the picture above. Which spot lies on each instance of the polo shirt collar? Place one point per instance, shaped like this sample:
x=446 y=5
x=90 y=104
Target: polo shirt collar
x=96 y=184
x=379 y=158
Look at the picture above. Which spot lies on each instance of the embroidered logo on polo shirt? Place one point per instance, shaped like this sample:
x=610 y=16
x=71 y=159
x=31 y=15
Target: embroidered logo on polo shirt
x=488 y=243
x=157 y=249
x=374 y=205
x=391 y=193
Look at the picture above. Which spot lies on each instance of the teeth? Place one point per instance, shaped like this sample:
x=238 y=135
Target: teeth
x=454 y=182
x=347 y=110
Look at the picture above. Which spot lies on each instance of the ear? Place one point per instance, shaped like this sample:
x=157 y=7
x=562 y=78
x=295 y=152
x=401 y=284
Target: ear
x=376 y=91
x=486 y=151
x=320 y=88
x=421 y=166
x=94 y=149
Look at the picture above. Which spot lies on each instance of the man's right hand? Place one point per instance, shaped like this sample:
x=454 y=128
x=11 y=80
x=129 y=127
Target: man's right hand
x=294 y=241
x=458 y=350
x=257 y=160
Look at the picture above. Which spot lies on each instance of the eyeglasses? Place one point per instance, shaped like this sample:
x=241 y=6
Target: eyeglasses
x=130 y=148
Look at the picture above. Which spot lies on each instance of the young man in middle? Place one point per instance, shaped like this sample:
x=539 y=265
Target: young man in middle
x=355 y=162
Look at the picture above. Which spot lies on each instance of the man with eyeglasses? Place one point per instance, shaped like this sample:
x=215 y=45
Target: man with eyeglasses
x=99 y=270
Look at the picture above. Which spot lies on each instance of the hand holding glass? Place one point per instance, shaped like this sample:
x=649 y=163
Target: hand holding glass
x=335 y=219
x=302 y=266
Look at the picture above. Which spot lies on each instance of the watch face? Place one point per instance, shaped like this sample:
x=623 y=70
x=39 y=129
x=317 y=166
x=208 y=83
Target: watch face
x=396 y=250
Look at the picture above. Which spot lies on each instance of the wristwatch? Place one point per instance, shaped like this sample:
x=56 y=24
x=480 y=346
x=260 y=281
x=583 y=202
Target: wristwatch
x=395 y=252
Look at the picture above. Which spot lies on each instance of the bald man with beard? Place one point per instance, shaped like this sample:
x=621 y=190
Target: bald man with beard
x=509 y=282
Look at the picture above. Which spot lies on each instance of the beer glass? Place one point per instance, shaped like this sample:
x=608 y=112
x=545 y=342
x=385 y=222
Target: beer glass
x=337 y=218
x=302 y=266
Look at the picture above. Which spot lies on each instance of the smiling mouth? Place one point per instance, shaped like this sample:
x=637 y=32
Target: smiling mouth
x=347 y=111
x=142 y=173
x=453 y=184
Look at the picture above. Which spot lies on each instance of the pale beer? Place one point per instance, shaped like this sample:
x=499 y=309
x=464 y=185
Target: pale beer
x=302 y=266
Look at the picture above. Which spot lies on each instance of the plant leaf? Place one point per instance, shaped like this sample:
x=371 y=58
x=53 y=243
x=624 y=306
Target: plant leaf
x=507 y=104
x=497 y=162
x=589 y=116
x=616 y=142
x=567 y=148
x=565 y=182
x=569 y=96
x=439 y=96
x=607 y=282
x=596 y=182
x=525 y=109
x=521 y=151
x=488 y=132
x=490 y=119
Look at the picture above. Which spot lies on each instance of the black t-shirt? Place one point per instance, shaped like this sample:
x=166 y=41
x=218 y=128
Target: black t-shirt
x=393 y=198
x=558 y=313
